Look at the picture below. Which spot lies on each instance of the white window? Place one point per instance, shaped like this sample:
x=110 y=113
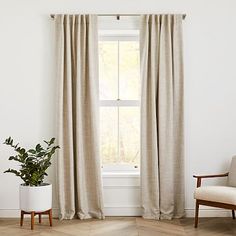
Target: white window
x=119 y=90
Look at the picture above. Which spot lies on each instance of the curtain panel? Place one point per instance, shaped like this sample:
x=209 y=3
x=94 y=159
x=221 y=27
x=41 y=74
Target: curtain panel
x=162 y=116
x=79 y=170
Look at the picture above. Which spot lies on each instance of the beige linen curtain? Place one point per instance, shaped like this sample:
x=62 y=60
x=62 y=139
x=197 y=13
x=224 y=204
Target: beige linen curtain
x=162 y=134
x=79 y=177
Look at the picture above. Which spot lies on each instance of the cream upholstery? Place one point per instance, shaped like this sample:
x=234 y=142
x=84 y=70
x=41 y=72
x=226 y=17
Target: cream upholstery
x=217 y=196
x=222 y=194
x=232 y=173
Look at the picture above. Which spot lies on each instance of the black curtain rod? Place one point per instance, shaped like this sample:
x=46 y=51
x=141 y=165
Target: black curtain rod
x=118 y=15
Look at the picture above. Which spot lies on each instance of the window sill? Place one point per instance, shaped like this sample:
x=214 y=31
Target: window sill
x=122 y=174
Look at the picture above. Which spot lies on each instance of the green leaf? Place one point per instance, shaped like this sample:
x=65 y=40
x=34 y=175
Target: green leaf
x=32 y=151
x=52 y=141
x=38 y=148
x=11 y=158
x=22 y=151
x=8 y=141
x=41 y=154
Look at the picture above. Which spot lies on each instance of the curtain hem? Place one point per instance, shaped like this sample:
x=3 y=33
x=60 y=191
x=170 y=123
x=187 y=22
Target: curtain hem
x=69 y=215
x=150 y=216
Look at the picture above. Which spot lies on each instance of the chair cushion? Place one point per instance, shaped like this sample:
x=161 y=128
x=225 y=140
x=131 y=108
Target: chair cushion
x=223 y=194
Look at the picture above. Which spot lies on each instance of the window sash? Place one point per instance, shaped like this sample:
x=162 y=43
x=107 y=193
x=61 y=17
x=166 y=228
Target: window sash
x=131 y=35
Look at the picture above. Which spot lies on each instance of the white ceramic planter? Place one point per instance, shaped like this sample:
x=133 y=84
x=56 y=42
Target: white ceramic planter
x=36 y=198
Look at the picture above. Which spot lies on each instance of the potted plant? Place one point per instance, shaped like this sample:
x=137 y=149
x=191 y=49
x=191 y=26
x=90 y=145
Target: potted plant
x=35 y=195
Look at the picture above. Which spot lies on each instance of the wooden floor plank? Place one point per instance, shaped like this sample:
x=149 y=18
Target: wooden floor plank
x=121 y=226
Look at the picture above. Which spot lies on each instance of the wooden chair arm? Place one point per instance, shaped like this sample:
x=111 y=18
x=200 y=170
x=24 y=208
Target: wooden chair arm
x=211 y=176
x=200 y=177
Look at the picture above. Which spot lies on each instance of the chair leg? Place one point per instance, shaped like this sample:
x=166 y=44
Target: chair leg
x=40 y=219
x=233 y=214
x=50 y=217
x=32 y=220
x=21 y=218
x=196 y=214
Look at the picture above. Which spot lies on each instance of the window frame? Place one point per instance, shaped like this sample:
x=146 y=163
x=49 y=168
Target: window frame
x=119 y=35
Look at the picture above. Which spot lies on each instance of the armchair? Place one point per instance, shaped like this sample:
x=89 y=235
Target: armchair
x=217 y=196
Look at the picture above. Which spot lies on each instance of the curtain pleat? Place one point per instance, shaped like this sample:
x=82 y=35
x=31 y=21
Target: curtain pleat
x=79 y=170
x=162 y=115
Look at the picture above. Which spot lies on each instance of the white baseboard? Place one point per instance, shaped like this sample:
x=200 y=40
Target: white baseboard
x=137 y=211
x=15 y=213
x=9 y=213
x=214 y=212
x=128 y=211
x=122 y=211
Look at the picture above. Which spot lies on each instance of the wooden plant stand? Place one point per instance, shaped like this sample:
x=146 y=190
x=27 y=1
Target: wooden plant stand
x=33 y=214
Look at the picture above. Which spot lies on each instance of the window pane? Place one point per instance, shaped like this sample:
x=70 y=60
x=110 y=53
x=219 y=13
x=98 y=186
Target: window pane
x=129 y=70
x=129 y=133
x=109 y=134
x=108 y=70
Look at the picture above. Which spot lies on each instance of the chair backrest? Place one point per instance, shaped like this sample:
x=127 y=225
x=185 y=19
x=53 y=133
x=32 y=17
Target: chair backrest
x=232 y=173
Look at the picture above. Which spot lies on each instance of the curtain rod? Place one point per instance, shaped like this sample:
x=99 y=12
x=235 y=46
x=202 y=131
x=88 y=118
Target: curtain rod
x=118 y=15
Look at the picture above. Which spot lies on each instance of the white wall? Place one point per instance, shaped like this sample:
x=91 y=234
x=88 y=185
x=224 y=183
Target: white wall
x=27 y=83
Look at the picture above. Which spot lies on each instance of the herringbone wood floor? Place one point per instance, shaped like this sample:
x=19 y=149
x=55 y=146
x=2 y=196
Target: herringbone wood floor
x=121 y=226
